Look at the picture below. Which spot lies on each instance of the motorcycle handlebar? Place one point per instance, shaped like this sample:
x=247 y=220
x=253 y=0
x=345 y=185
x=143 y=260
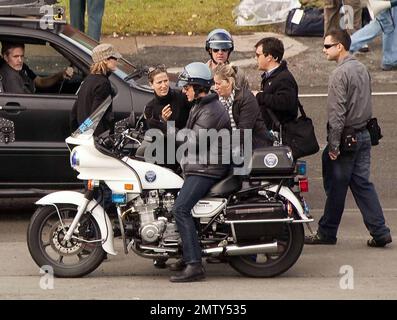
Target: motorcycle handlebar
x=137 y=135
x=116 y=142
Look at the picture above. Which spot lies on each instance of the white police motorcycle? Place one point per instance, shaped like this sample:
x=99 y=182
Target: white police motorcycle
x=255 y=222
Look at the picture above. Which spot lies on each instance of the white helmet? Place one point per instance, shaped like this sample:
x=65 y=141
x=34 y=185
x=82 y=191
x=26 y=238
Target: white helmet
x=196 y=73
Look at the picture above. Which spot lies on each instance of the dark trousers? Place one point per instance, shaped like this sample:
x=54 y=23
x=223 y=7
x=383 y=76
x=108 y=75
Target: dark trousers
x=351 y=169
x=95 y=9
x=194 y=188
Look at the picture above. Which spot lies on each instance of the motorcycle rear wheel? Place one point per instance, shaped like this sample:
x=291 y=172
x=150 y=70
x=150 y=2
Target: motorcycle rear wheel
x=270 y=265
x=70 y=259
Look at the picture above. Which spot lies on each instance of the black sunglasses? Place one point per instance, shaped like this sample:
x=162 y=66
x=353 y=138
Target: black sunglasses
x=223 y=50
x=327 y=46
x=160 y=68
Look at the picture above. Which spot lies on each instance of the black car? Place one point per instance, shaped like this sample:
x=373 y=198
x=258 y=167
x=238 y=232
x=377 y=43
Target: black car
x=38 y=160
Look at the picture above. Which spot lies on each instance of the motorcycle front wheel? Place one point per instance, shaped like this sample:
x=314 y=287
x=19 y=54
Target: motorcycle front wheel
x=77 y=257
x=266 y=265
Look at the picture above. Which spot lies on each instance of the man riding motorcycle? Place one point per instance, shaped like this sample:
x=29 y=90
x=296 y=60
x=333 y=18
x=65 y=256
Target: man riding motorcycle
x=207 y=113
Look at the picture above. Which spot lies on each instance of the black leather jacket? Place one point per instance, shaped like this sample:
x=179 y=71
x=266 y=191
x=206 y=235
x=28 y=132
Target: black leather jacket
x=207 y=113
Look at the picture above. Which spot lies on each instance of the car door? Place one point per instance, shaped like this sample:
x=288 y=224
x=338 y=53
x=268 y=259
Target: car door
x=39 y=156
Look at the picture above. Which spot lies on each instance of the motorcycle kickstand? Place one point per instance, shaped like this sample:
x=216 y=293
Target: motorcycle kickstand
x=119 y=216
x=310 y=228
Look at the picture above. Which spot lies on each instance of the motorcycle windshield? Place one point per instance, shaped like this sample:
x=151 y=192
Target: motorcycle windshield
x=87 y=128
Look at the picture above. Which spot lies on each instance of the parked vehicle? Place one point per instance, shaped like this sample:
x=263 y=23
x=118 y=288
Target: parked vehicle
x=38 y=160
x=255 y=221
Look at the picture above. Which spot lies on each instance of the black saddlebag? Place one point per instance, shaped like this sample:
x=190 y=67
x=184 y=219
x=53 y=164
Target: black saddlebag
x=272 y=161
x=241 y=216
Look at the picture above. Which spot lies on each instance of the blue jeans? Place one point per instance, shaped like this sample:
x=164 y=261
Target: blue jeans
x=385 y=22
x=194 y=188
x=95 y=14
x=351 y=169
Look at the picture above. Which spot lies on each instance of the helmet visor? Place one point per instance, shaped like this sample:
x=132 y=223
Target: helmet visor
x=220 y=44
x=183 y=79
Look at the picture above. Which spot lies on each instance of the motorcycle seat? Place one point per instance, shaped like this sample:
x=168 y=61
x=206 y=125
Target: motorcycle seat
x=226 y=186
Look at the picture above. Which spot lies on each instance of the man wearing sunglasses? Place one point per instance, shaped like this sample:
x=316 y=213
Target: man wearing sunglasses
x=349 y=108
x=219 y=45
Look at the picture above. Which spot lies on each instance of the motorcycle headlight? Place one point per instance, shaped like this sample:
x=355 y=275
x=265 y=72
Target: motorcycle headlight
x=74 y=159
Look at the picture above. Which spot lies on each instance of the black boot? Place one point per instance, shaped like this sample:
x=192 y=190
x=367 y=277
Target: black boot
x=192 y=272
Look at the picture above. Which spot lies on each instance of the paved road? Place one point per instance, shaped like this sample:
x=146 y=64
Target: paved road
x=316 y=275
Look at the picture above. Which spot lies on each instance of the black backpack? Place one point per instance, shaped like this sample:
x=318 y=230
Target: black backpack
x=311 y=24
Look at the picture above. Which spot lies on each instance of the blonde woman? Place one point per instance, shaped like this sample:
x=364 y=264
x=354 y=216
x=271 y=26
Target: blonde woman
x=96 y=88
x=241 y=105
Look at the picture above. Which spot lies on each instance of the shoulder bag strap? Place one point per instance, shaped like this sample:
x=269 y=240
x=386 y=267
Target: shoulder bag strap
x=301 y=109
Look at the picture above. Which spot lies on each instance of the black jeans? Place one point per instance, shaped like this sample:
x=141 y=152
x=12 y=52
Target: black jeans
x=351 y=169
x=194 y=188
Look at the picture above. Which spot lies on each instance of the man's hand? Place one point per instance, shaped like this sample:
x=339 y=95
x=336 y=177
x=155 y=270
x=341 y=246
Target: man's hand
x=333 y=154
x=166 y=112
x=68 y=73
x=255 y=92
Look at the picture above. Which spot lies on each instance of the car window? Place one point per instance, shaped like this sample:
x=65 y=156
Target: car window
x=44 y=60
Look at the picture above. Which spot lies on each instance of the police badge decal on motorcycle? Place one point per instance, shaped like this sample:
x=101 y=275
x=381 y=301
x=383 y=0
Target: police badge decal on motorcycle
x=270 y=160
x=150 y=176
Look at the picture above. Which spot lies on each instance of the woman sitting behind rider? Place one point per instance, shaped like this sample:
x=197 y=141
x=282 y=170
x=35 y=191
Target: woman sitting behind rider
x=168 y=104
x=241 y=105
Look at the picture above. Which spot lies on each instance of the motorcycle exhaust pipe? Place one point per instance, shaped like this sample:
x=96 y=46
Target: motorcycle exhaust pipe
x=256 y=208
x=235 y=250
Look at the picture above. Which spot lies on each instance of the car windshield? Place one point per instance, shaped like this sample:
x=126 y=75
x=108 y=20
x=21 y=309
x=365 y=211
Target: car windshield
x=124 y=67
x=87 y=128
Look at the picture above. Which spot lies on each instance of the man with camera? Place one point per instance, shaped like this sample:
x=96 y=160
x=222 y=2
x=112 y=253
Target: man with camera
x=346 y=158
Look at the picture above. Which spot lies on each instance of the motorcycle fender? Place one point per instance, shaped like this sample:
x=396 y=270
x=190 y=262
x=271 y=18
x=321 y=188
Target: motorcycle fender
x=99 y=214
x=289 y=195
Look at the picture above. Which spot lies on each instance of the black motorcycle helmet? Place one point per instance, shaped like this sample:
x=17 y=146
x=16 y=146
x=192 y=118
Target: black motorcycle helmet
x=219 y=39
